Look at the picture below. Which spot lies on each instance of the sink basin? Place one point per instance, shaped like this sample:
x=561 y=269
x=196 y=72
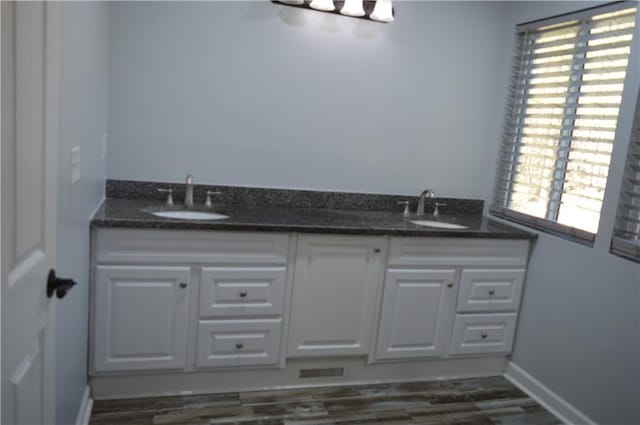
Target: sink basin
x=438 y=224
x=190 y=215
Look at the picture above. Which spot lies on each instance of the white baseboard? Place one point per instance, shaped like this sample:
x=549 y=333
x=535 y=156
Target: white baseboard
x=548 y=399
x=84 y=413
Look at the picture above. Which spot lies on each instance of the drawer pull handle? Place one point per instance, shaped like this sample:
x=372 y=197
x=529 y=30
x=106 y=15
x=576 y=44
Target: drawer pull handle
x=450 y=284
x=492 y=291
x=239 y=345
x=483 y=335
x=377 y=250
x=183 y=285
x=243 y=294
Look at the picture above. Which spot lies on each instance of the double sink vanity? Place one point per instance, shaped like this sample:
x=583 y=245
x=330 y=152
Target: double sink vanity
x=284 y=288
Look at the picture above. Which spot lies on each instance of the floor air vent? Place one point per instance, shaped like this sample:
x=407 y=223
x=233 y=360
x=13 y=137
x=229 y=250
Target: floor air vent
x=321 y=373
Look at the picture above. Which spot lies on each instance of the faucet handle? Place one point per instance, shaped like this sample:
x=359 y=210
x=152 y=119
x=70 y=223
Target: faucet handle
x=208 y=203
x=406 y=211
x=436 y=211
x=169 y=193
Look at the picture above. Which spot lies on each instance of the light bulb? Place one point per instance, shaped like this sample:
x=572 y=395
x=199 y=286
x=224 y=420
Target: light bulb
x=352 y=8
x=326 y=5
x=383 y=11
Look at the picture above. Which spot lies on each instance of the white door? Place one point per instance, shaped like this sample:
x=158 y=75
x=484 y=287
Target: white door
x=417 y=310
x=141 y=315
x=334 y=291
x=30 y=60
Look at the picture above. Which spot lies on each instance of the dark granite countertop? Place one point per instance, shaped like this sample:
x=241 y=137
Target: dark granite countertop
x=127 y=213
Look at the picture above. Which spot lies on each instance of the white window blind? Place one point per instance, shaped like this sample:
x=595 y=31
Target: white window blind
x=567 y=82
x=626 y=239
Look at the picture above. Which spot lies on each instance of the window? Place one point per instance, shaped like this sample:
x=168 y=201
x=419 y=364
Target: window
x=626 y=237
x=566 y=88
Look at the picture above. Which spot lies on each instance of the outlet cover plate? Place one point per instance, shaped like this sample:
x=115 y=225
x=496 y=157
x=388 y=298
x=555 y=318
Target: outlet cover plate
x=75 y=164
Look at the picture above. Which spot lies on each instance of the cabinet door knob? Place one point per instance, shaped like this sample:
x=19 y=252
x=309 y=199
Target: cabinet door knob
x=450 y=284
x=483 y=335
x=492 y=291
x=239 y=345
x=377 y=250
x=243 y=294
x=183 y=285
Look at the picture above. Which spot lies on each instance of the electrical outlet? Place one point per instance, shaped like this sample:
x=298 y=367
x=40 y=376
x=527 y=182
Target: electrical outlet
x=75 y=164
x=104 y=145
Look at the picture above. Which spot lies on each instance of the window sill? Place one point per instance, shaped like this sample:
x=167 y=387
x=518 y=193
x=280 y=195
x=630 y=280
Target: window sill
x=551 y=227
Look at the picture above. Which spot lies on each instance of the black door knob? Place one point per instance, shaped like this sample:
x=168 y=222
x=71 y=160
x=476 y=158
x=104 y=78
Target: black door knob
x=58 y=285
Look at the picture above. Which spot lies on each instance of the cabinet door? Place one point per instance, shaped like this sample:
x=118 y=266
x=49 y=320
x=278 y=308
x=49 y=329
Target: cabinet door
x=335 y=283
x=417 y=310
x=140 y=317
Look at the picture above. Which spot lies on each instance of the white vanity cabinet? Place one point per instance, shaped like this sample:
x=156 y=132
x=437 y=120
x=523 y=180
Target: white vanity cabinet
x=335 y=288
x=228 y=310
x=186 y=300
x=433 y=285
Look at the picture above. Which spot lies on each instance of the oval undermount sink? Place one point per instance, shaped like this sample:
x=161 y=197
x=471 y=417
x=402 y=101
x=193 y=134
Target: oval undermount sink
x=438 y=224
x=189 y=215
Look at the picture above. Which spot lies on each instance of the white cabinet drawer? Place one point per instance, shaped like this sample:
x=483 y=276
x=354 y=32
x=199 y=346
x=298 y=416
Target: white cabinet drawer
x=229 y=343
x=490 y=290
x=483 y=333
x=242 y=291
x=457 y=252
x=126 y=246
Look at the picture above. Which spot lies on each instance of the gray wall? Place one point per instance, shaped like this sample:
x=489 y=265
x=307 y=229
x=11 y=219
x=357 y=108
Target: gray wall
x=84 y=89
x=579 y=330
x=259 y=94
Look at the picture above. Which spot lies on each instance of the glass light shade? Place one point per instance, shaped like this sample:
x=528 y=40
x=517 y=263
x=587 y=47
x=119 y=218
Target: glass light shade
x=326 y=5
x=383 y=11
x=352 y=8
x=295 y=2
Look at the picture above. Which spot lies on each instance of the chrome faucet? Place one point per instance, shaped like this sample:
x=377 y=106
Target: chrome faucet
x=188 y=191
x=424 y=194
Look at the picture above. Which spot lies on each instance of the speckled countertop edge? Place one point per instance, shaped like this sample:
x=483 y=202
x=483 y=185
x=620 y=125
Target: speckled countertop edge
x=136 y=213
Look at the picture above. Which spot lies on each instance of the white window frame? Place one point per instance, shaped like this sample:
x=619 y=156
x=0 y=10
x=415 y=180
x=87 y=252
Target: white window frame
x=626 y=237
x=502 y=190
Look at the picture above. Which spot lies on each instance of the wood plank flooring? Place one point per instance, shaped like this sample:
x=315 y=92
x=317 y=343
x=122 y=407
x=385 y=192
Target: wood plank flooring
x=477 y=401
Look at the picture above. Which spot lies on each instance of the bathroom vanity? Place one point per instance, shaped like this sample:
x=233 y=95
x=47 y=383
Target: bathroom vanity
x=294 y=297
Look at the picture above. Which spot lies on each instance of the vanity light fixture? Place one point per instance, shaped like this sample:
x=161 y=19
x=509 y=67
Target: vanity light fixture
x=375 y=10
x=352 y=8
x=324 y=5
x=383 y=12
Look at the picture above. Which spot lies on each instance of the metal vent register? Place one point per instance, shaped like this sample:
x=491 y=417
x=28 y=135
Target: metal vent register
x=321 y=373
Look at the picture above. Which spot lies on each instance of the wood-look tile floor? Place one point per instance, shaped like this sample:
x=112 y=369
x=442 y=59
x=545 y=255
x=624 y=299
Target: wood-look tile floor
x=477 y=401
